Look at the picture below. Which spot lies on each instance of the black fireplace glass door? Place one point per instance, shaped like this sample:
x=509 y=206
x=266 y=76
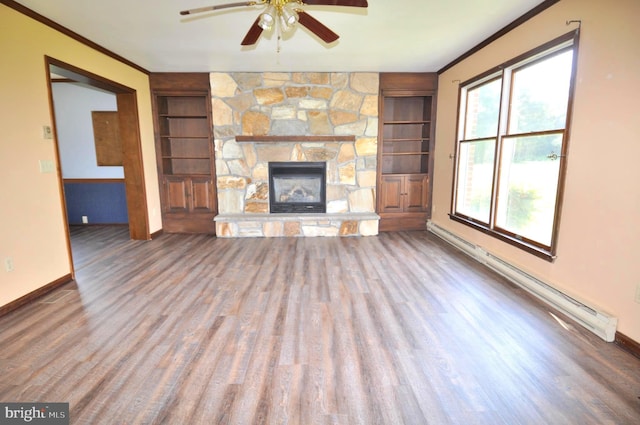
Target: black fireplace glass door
x=297 y=187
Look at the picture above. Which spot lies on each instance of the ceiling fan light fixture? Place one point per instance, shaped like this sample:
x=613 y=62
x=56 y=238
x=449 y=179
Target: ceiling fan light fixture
x=267 y=19
x=266 y=22
x=284 y=15
x=288 y=17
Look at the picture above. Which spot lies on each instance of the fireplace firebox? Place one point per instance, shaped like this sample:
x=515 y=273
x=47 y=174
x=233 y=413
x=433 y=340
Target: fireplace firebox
x=297 y=187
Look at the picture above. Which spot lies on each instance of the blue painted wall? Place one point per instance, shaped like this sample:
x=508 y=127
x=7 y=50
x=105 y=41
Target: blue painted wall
x=102 y=203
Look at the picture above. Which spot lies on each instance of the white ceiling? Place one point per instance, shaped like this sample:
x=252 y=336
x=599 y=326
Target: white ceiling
x=388 y=36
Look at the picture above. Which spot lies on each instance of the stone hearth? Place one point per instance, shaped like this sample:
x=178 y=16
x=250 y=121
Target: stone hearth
x=307 y=117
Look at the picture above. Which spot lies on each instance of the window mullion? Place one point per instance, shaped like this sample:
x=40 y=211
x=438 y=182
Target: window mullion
x=503 y=120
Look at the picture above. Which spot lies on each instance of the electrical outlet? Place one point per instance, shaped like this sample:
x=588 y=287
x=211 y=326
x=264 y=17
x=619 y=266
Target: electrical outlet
x=85 y=219
x=638 y=293
x=8 y=264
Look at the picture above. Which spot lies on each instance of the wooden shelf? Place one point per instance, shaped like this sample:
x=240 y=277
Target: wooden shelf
x=405 y=122
x=173 y=136
x=175 y=116
x=416 y=139
x=294 y=139
x=190 y=174
x=404 y=153
x=185 y=157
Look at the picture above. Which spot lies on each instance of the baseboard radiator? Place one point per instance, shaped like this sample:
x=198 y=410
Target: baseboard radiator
x=598 y=322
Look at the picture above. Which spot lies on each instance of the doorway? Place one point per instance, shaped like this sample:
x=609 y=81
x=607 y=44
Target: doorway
x=127 y=115
x=90 y=154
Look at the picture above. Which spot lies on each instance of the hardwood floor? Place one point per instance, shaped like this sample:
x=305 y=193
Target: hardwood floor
x=394 y=329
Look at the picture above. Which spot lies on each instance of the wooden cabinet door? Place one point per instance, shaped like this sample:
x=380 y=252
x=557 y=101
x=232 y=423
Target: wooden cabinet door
x=176 y=194
x=188 y=194
x=404 y=193
x=391 y=194
x=202 y=195
x=188 y=204
x=415 y=190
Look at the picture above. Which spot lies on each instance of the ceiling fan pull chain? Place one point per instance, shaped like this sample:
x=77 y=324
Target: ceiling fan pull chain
x=278 y=39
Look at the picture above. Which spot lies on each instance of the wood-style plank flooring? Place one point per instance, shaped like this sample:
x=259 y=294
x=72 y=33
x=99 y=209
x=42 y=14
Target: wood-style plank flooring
x=394 y=329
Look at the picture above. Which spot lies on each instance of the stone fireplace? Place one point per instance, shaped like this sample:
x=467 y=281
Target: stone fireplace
x=302 y=118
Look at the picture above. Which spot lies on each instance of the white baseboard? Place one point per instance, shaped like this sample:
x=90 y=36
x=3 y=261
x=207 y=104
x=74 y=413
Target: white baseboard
x=598 y=322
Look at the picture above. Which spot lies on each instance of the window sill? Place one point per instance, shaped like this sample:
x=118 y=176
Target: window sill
x=532 y=249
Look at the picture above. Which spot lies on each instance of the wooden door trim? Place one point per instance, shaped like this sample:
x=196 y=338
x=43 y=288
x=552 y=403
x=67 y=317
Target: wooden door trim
x=132 y=163
x=131 y=142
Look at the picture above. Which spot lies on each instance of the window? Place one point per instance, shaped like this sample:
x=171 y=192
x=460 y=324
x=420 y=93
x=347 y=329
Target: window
x=512 y=140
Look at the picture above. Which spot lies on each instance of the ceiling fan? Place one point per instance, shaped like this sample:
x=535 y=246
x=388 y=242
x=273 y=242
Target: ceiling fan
x=284 y=14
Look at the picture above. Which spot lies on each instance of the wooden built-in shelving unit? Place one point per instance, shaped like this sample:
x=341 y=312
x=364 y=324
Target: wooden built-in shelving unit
x=185 y=152
x=405 y=146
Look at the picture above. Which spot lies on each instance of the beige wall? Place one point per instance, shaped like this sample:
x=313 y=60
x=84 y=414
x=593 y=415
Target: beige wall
x=32 y=228
x=599 y=240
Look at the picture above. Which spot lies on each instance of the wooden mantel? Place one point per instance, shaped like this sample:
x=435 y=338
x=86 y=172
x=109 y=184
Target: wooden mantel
x=296 y=139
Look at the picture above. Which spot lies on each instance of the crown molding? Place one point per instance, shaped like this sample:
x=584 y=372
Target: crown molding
x=66 y=31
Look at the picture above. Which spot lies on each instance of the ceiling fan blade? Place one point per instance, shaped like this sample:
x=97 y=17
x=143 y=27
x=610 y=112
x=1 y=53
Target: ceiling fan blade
x=316 y=27
x=253 y=35
x=352 y=3
x=220 y=6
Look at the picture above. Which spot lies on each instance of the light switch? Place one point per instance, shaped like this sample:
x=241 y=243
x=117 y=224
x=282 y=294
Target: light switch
x=8 y=264
x=47 y=166
x=47 y=132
